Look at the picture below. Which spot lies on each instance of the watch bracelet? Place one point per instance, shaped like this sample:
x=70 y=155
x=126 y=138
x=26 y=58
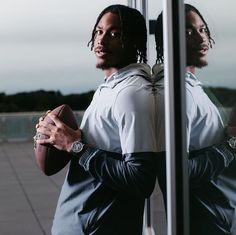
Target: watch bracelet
x=232 y=148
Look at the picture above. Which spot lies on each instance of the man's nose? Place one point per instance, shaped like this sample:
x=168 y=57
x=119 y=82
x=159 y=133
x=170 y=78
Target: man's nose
x=201 y=36
x=103 y=39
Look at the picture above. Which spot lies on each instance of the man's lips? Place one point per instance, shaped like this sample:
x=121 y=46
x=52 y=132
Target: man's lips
x=101 y=51
x=203 y=49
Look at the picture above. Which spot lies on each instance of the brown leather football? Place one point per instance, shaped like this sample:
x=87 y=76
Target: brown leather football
x=49 y=159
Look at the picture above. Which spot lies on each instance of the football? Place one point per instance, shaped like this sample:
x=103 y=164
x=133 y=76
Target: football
x=49 y=159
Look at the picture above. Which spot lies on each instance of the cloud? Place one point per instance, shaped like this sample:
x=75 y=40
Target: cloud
x=47 y=40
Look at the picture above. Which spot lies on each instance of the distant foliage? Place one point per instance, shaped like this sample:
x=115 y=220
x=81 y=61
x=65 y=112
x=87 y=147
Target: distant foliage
x=225 y=96
x=43 y=100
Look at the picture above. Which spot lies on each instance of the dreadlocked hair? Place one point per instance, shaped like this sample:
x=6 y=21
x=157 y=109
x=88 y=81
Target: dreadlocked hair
x=189 y=8
x=159 y=39
x=133 y=30
x=159 y=32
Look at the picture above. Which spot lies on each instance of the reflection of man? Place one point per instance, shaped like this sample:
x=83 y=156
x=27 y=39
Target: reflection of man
x=104 y=192
x=212 y=171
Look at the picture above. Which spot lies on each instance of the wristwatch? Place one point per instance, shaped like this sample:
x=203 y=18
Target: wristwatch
x=76 y=147
x=232 y=143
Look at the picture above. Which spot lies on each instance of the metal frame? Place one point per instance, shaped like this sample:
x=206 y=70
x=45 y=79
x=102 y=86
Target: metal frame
x=175 y=114
x=142 y=6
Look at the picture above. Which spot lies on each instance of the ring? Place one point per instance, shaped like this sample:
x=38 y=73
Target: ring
x=38 y=136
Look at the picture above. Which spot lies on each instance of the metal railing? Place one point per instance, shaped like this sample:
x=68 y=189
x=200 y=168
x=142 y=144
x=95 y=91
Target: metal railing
x=21 y=126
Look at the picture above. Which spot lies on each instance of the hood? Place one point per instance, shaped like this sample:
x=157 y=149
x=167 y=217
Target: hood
x=135 y=69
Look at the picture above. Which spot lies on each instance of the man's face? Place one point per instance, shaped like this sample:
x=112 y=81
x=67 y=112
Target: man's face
x=197 y=40
x=107 y=43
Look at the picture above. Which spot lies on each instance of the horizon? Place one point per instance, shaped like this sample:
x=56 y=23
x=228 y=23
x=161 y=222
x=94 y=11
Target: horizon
x=48 y=49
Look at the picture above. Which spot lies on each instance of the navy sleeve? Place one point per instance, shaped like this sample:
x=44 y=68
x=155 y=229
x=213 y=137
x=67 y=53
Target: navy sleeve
x=132 y=173
x=203 y=165
x=206 y=164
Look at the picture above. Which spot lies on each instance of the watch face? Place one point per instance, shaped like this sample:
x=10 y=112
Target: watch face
x=232 y=142
x=77 y=147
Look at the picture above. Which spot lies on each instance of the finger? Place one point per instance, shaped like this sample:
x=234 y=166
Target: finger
x=45 y=141
x=56 y=120
x=42 y=117
x=42 y=131
x=46 y=125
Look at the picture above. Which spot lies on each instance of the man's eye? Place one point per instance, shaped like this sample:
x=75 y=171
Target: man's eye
x=115 y=34
x=189 y=32
x=204 y=30
x=98 y=32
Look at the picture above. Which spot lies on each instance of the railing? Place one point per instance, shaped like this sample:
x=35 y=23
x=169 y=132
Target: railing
x=21 y=126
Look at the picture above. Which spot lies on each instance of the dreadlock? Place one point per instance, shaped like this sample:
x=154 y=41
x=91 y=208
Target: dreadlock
x=159 y=32
x=133 y=30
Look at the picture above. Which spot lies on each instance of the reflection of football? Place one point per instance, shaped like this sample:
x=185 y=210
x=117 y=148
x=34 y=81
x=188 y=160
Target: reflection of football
x=50 y=159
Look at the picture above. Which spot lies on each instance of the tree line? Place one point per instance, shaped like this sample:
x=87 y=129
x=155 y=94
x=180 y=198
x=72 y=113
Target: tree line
x=44 y=100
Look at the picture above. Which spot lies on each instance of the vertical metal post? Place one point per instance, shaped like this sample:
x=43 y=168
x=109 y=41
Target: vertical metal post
x=132 y=3
x=175 y=114
x=142 y=6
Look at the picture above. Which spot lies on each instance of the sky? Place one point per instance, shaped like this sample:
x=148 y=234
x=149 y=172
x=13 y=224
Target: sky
x=43 y=44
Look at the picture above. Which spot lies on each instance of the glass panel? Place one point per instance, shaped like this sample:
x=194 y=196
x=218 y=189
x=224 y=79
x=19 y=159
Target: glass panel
x=219 y=85
x=212 y=193
x=219 y=76
x=158 y=215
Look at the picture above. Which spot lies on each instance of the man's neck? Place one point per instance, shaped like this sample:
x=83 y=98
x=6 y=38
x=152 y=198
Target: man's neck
x=109 y=71
x=191 y=69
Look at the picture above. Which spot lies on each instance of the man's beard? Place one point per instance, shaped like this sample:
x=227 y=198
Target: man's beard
x=103 y=66
x=198 y=65
x=106 y=65
x=198 y=62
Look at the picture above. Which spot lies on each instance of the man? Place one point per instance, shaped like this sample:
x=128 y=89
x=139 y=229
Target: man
x=212 y=171
x=104 y=192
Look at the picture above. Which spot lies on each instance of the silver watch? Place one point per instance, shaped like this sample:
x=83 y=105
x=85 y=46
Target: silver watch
x=232 y=142
x=76 y=147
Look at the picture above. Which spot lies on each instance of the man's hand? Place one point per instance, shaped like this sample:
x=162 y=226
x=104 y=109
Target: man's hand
x=59 y=135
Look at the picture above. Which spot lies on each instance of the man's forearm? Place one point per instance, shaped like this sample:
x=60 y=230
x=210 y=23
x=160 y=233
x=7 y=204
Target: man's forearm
x=206 y=164
x=133 y=173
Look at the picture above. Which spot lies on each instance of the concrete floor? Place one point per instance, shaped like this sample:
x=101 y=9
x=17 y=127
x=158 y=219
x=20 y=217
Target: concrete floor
x=27 y=197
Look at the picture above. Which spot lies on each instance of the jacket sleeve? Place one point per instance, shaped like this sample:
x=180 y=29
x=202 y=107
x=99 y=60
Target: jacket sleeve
x=132 y=173
x=207 y=163
x=203 y=165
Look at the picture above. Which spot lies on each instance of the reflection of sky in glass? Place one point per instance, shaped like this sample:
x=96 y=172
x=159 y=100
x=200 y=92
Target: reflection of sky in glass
x=43 y=44
x=222 y=57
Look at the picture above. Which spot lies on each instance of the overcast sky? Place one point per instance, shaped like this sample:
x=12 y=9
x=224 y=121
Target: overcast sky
x=43 y=44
